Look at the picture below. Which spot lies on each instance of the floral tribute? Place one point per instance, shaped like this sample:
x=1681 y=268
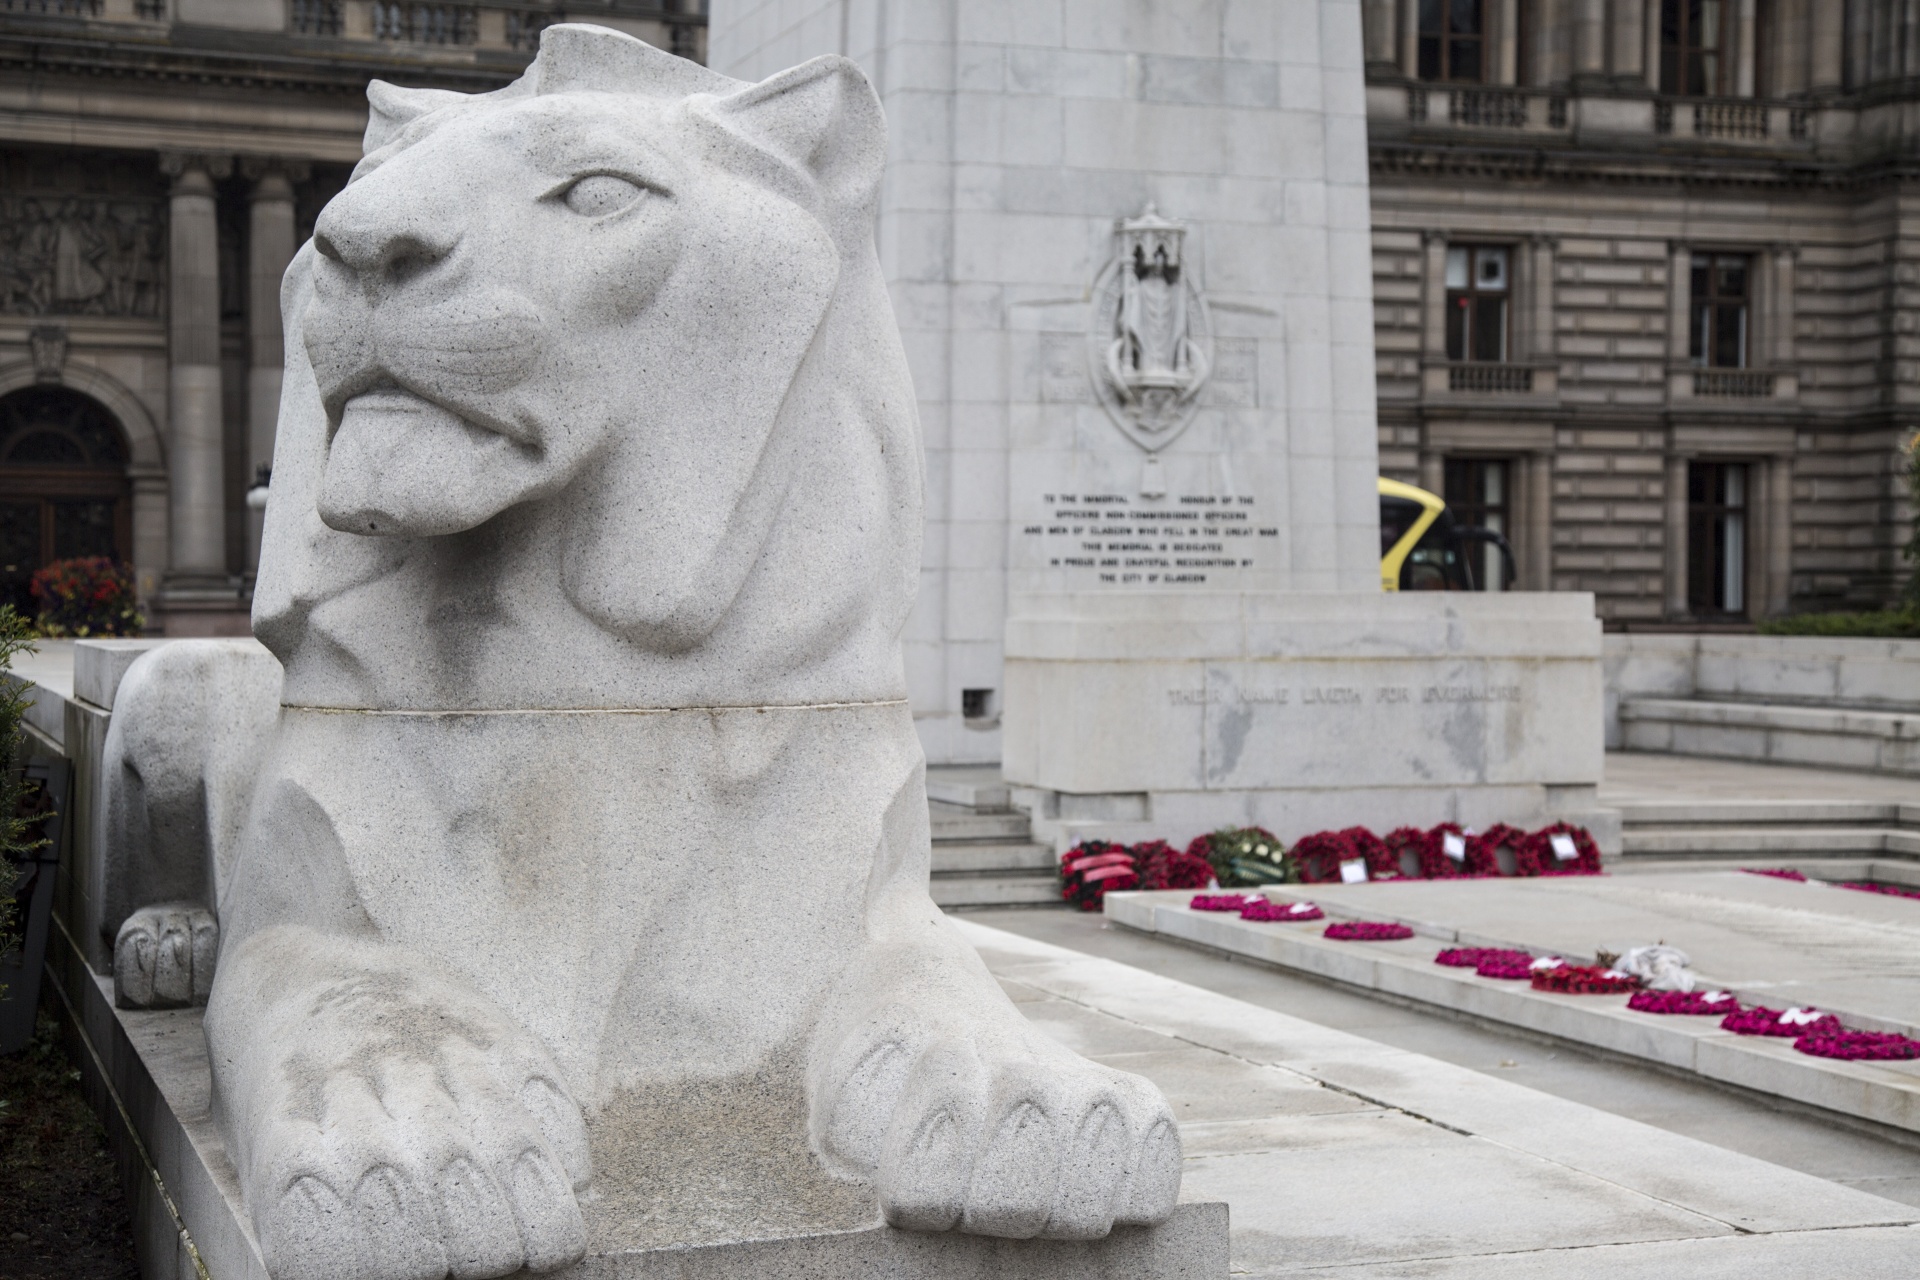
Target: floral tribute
x=1582 y=980
x=1093 y=867
x=1778 y=873
x=1474 y=957
x=1367 y=931
x=1243 y=856
x=1220 y=901
x=1420 y=853
x=1320 y=856
x=1484 y=850
x=1855 y=1046
x=1797 y=1023
x=1695 y=1002
x=1280 y=912
x=1537 y=856
x=1869 y=886
x=85 y=596
x=1510 y=966
x=1161 y=866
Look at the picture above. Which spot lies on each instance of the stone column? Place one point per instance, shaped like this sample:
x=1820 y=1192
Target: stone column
x=1378 y=27
x=1506 y=61
x=1775 y=578
x=1534 y=547
x=1676 y=539
x=1589 y=38
x=1409 y=38
x=197 y=559
x=270 y=247
x=1679 y=299
x=1825 y=58
x=1628 y=47
x=1542 y=342
x=1433 y=280
x=1746 y=61
x=1650 y=46
x=1782 y=312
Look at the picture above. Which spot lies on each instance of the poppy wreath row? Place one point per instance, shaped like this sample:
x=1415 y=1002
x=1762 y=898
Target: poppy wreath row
x=1408 y=853
x=1092 y=868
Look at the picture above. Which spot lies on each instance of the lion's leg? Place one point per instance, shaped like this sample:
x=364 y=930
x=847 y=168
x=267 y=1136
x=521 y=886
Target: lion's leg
x=386 y=1123
x=926 y=1079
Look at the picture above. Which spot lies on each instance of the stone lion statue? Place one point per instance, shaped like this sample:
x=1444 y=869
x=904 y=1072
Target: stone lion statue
x=582 y=901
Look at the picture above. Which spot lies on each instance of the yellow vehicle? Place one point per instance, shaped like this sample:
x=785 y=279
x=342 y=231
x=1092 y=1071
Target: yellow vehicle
x=1423 y=548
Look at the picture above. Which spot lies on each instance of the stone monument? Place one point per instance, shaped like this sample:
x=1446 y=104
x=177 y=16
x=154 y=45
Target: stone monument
x=1130 y=246
x=582 y=901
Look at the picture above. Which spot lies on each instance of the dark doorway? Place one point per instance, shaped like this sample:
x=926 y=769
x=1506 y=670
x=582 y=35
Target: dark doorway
x=63 y=486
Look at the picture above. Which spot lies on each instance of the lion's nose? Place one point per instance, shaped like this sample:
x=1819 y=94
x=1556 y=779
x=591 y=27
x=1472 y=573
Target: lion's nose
x=366 y=233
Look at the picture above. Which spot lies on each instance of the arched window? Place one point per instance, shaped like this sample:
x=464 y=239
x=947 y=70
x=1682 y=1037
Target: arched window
x=63 y=485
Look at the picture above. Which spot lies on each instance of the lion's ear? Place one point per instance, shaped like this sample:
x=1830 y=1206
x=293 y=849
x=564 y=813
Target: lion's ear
x=391 y=108
x=820 y=119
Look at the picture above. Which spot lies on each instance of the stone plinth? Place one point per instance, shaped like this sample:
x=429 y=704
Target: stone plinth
x=1168 y=714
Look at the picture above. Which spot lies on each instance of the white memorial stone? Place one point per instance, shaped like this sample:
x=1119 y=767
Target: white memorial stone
x=1130 y=247
x=584 y=899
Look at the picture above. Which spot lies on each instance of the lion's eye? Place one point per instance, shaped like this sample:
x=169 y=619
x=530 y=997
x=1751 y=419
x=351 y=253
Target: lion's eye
x=601 y=194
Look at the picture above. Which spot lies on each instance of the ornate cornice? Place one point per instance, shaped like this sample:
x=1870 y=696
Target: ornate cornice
x=276 y=64
x=1399 y=157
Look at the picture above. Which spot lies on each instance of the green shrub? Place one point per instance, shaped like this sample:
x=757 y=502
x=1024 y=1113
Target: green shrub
x=17 y=826
x=1897 y=624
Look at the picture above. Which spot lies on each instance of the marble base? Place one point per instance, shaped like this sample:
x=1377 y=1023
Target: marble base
x=157 y=1065
x=1137 y=714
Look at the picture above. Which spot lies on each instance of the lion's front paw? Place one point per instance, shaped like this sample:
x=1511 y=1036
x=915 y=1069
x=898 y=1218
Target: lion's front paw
x=394 y=1125
x=163 y=957
x=1011 y=1139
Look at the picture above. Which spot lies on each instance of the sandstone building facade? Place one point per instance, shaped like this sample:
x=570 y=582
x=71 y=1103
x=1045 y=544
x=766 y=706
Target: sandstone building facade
x=1645 y=281
x=160 y=160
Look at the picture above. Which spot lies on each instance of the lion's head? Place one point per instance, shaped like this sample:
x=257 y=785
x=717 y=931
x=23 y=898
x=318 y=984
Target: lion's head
x=624 y=306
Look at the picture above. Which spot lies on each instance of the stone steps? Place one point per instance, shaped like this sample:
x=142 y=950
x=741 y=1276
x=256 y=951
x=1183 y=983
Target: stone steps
x=1696 y=840
x=983 y=851
x=1829 y=736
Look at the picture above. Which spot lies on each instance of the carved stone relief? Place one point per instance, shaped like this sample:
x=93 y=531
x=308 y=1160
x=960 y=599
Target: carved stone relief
x=1151 y=346
x=82 y=255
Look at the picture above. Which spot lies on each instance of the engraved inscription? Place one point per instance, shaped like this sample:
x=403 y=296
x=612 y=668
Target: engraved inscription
x=1125 y=540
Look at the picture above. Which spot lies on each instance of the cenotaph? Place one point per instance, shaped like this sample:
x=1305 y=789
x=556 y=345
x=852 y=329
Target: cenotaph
x=580 y=909
x=1129 y=244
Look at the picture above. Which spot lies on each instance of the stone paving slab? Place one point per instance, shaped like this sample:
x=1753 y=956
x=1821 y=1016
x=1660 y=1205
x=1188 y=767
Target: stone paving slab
x=1426 y=1168
x=1885 y=1093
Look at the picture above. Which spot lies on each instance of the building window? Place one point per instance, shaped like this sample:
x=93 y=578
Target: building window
x=1478 y=494
x=1717 y=538
x=1717 y=336
x=1691 y=35
x=1452 y=40
x=1477 y=287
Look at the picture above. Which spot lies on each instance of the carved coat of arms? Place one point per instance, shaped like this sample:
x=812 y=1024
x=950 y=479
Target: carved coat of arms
x=1151 y=347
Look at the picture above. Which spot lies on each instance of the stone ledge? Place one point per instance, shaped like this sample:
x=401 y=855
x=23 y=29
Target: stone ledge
x=1884 y=1093
x=156 y=1063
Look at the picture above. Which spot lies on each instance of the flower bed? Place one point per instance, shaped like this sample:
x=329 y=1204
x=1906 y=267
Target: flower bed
x=1366 y=931
x=1277 y=912
x=1689 y=1002
x=1581 y=980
